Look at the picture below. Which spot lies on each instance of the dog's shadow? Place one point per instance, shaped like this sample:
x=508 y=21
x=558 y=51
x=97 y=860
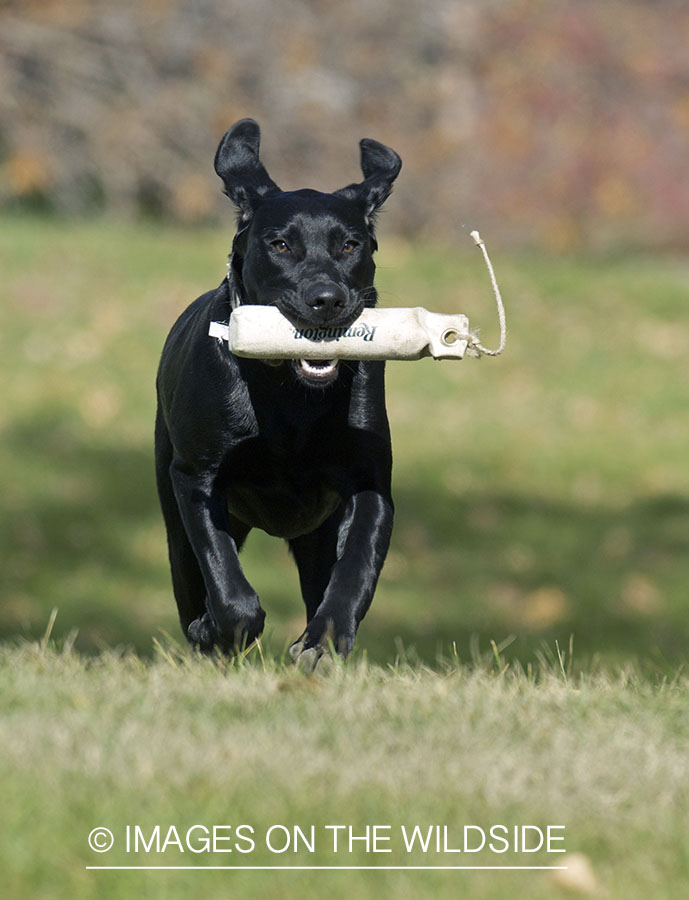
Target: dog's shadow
x=83 y=533
x=532 y=571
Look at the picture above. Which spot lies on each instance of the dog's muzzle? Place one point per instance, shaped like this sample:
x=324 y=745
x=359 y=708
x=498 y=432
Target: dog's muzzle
x=323 y=304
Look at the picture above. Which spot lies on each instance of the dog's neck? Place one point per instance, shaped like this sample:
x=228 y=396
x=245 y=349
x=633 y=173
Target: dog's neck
x=235 y=293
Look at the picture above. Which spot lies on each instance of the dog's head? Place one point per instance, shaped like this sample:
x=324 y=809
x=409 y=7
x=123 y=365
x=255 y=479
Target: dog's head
x=306 y=252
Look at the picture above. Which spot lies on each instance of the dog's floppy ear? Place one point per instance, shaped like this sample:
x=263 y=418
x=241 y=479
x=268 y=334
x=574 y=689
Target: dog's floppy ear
x=380 y=165
x=236 y=162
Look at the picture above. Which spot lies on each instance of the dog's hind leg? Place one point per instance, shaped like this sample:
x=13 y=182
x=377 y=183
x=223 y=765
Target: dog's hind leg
x=187 y=580
x=315 y=555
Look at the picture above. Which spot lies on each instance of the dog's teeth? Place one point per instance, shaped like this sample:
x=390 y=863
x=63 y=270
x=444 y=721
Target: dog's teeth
x=326 y=365
x=318 y=369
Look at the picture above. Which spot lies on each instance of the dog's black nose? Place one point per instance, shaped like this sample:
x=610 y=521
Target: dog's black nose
x=326 y=300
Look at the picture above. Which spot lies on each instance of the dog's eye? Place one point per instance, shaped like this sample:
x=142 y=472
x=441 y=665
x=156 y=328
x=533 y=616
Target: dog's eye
x=280 y=246
x=349 y=246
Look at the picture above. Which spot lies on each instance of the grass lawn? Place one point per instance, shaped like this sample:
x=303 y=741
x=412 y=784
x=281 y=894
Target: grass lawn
x=542 y=504
x=180 y=742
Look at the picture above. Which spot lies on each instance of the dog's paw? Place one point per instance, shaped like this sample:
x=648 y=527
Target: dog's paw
x=232 y=635
x=306 y=660
x=314 y=650
x=314 y=659
x=203 y=634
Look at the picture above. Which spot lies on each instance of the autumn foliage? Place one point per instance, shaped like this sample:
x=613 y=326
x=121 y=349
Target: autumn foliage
x=561 y=123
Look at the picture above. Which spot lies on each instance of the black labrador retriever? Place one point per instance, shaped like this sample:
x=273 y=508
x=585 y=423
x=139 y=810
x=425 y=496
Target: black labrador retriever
x=298 y=448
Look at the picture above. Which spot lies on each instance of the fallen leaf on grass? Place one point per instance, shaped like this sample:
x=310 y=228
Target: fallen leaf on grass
x=578 y=877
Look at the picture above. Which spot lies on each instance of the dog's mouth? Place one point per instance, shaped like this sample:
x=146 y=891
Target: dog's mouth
x=316 y=371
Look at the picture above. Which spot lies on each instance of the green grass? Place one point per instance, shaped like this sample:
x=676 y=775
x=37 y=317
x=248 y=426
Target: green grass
x=542 y=503
x=178 y=741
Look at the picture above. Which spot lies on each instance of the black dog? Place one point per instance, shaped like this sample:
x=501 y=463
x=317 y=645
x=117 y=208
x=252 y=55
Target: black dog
x=300 y=449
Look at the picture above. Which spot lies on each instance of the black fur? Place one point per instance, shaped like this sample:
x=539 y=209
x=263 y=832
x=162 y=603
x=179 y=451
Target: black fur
x=301 y=451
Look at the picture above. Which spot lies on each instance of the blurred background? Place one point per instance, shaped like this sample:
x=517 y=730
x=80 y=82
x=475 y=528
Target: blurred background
x=541 y=496
x=552 y=122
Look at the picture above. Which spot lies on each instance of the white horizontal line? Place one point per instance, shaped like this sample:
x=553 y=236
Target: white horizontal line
x=330 y=868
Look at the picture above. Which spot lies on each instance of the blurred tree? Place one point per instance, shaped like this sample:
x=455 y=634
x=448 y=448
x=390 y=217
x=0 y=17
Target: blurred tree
x=562 y=123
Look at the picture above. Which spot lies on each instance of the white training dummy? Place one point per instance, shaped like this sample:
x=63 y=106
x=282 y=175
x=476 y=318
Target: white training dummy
x=263 y=332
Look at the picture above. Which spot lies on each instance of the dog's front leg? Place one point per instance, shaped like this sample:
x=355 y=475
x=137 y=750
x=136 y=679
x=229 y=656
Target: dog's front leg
x=234 y=616
x=363 y=539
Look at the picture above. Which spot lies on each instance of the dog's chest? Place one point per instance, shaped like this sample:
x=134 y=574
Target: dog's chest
x=284 y=481
x=282 y=495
